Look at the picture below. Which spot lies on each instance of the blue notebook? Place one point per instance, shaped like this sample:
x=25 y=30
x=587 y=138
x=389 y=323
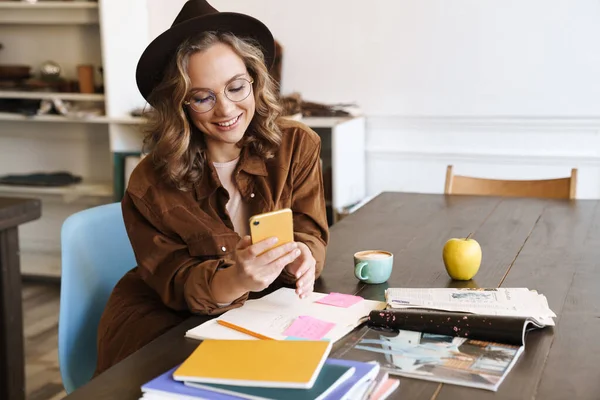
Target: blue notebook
x=330 y=377
x=165 y=384
x=364 y=373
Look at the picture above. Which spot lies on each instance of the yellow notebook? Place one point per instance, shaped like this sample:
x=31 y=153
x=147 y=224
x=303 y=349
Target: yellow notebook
x=264 y=363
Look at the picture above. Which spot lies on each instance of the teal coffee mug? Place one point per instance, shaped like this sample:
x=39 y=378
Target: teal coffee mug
x=373 y=266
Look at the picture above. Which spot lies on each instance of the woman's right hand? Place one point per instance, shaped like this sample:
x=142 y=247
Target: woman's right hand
x=257 y=271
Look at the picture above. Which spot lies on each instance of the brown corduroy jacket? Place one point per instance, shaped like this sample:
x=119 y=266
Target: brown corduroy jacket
x=181 y=238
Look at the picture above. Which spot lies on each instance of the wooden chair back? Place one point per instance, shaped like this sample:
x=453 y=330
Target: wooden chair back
x=560 y=188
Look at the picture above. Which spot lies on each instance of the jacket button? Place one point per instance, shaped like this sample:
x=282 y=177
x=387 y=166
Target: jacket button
x=252 y=195
x=224 y=248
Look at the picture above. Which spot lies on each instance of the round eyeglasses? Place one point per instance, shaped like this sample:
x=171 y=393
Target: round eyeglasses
x=204 y=100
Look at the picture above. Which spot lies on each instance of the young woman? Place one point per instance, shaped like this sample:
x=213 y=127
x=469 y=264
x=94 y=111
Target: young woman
x=219 y=153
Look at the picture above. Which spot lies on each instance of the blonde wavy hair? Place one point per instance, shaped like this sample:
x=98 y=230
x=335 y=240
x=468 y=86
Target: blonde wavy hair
x=176 y=145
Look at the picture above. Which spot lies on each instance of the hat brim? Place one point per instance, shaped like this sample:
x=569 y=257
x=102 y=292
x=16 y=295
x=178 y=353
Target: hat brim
x=154 y=59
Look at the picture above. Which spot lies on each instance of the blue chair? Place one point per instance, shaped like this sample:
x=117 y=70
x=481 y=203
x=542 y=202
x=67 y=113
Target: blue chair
x=96 y=253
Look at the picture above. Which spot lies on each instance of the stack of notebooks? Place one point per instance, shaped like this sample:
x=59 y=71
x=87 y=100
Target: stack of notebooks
x=269 y=369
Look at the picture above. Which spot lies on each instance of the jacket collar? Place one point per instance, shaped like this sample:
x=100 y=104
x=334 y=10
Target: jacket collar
x=252 y=164
x=209 y=182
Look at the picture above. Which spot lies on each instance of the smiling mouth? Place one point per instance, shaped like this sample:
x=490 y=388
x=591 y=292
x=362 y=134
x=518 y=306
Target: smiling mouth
x=228 y=123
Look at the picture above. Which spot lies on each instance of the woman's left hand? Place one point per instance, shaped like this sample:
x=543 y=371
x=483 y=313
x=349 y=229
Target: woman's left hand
x=303 y=268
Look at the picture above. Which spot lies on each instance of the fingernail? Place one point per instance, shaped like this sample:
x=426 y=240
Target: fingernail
x=273 y=240
x=297 y=253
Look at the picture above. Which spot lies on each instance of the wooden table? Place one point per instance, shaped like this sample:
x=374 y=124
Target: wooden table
x=13 y=212
x=549 y=245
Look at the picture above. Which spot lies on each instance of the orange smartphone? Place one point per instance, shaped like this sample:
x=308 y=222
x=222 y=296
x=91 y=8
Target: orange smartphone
x=275 y=223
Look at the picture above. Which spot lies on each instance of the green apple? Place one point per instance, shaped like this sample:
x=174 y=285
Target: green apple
x=462 y=258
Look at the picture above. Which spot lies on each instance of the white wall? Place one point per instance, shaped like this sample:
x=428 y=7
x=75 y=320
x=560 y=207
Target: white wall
x=439 y=57
x=161 y=14
x=497 y=88
x=418 y=150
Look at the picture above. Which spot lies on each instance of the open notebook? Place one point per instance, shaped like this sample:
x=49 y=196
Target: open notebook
x=274 y=314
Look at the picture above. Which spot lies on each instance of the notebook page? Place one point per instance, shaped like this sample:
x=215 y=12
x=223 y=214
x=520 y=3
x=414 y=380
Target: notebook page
x=286 y=301
x=212 y=330
x=274 y=313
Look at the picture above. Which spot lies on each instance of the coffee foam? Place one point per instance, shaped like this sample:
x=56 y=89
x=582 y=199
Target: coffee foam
x=372 y=255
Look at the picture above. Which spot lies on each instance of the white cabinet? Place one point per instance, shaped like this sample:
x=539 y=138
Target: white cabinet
x=108 y=34
x=343 y=156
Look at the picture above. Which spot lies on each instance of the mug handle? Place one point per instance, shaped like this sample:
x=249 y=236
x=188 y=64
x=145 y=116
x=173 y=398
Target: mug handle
x=358 y=270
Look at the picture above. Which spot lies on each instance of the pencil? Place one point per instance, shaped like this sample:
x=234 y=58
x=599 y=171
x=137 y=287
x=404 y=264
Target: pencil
x=243 y=330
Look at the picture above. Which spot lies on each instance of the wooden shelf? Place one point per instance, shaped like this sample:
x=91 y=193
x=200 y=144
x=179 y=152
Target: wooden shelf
x=15 y=94
x=71 y=33
x=70 y=120
x=68 y=193
x=127 y=120
x=49 y=12
x=54 y=5
x=313 y=122
x=325 y=122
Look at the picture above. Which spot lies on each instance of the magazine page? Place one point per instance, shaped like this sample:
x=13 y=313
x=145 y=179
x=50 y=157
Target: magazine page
x=502 y=329
x=438 y=358
x=484 y=301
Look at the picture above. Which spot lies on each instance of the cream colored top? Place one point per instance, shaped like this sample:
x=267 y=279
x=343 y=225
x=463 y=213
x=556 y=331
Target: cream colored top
x=237 y=209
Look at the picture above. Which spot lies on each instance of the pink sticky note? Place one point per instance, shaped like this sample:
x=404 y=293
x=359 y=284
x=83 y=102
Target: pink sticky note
x=340 y=300
x=306 y=327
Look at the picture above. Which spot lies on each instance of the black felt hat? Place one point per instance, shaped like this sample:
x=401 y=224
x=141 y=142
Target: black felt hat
x=197 y=16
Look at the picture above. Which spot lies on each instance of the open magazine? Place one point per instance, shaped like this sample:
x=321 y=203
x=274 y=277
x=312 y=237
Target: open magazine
x=468 y=337
x=521 y=302
x=501 y=315
x=439 y=358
